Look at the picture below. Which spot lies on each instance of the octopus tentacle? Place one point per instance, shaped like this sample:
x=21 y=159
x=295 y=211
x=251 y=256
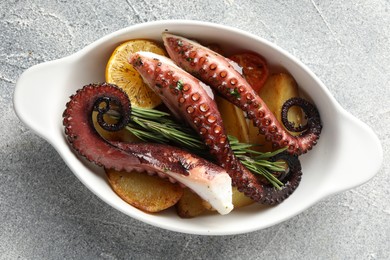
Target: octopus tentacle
x=208 y=180
x=193 y=101
x=310 y=112
x=219 y=73
x=292 y=177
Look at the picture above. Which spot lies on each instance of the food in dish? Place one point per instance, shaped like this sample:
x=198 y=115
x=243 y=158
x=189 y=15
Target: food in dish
x=216 y=71
x=191 y=99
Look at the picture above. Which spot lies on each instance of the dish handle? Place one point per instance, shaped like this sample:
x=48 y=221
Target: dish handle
x=358 y=158
x=37 y=94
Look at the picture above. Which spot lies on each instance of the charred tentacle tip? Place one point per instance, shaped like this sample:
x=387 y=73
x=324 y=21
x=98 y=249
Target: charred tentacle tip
x=291 y=179
x=293 y=165
x=313 y=117
x=105 y=104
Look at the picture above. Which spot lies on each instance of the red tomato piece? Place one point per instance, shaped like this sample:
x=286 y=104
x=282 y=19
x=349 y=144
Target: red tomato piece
x=254 y=68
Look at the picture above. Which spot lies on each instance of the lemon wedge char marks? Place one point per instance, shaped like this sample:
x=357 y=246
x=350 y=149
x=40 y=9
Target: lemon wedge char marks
x=123 y=74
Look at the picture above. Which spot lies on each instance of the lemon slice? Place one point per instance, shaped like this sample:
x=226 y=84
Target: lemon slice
x=123 y=74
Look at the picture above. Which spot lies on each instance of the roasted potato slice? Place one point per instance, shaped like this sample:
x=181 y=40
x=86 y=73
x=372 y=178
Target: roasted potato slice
x=190 y=205
x=278 y=88
x=148 y=193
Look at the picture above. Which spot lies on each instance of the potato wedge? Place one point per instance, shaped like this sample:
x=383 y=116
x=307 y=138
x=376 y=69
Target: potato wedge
x=233 y=120
x=240 y=199
x=278 y=88
x=148 y=193
x=190 y=205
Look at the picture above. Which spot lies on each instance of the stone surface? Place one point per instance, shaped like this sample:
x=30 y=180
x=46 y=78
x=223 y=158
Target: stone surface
x=46 y=213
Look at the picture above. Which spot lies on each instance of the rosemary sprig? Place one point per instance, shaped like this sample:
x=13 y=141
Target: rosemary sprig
x=152 y=125
x=164 y=130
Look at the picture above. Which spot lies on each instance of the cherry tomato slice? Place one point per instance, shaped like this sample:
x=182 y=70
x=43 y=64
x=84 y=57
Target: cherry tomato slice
x=254 y=68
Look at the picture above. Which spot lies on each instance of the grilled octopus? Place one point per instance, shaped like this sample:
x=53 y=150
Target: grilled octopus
x=192 y=100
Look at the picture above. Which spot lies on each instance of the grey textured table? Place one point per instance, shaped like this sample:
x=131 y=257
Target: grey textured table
x=46 y=213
